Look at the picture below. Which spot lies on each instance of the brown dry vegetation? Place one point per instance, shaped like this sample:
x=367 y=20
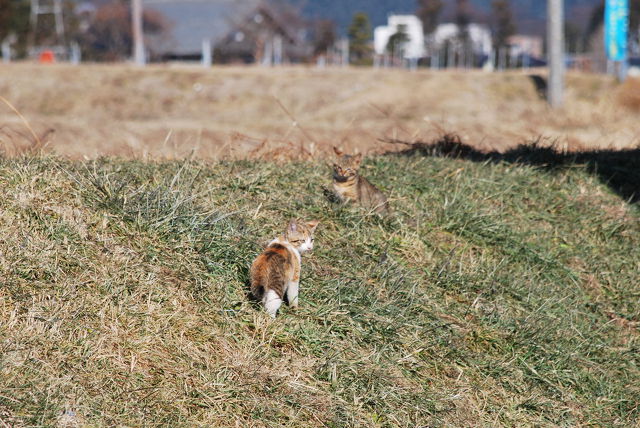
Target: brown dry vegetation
x=630 y=95
x=231 y=112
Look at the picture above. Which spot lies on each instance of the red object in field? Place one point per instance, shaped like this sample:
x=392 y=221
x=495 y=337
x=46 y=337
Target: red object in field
x=47 y=57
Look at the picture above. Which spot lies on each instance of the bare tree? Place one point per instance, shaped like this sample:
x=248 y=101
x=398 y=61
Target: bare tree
x=324 y=36
x=109 y=36
x=5 y=17
x=463 y=14
x=463 y=19
x=504 y=26
x=429 y=13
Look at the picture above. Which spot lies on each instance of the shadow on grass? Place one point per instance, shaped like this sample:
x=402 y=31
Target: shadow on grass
x=619 y=169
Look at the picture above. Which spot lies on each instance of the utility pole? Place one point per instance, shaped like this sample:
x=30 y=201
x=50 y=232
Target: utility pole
x=555 y=51
x=138 y=41
x=344 y=49
x=277 y=49
x=206 y=53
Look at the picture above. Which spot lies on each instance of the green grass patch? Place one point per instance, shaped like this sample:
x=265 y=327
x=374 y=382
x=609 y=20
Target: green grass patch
x=496 y=294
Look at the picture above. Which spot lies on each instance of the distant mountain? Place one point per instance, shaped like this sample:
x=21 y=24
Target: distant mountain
x=530 y=14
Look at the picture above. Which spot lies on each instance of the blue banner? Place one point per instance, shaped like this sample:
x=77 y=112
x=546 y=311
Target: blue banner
x=616 y=29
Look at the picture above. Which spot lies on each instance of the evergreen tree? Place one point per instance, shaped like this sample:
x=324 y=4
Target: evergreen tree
x=395 y=45
x=504 y=26
x=429 y=13
x=360 y=39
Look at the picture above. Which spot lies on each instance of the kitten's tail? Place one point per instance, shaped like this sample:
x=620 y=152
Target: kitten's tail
x=267 y=276
x=257 y=291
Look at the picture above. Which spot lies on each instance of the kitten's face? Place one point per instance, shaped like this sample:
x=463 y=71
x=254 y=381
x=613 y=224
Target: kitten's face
x=300 y=234
x=346 y=167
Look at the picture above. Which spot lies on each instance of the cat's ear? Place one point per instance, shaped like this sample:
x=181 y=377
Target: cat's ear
x=337 y=151
x=357 y=159
x=312 y=225
x=293 y=227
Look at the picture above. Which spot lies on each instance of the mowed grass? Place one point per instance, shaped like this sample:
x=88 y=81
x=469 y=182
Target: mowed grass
x=496 y=295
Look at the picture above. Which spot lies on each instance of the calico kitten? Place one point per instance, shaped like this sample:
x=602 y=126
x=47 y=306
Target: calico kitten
x=276 y=271
x=351 y=186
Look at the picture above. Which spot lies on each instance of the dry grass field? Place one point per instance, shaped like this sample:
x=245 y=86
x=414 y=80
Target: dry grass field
x=230 y=112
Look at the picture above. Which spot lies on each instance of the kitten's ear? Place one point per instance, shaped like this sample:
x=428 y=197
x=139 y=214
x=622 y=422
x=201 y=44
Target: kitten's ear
x=337 y=151
x=357 y=158
x=293 y=227
x=312 y=225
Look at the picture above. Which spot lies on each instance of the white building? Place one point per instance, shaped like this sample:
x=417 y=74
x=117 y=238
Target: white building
x=479 y=34
x=411 y=26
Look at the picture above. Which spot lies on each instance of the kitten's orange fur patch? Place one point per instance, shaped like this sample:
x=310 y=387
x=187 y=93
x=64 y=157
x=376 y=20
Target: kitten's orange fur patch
x=276 y=272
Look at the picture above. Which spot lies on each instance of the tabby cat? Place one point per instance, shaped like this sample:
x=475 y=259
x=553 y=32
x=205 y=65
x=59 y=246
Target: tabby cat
x=276 y=272
x=351 y=186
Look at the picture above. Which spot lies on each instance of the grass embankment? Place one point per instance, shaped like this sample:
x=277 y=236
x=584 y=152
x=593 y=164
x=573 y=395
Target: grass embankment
x=498 y=294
